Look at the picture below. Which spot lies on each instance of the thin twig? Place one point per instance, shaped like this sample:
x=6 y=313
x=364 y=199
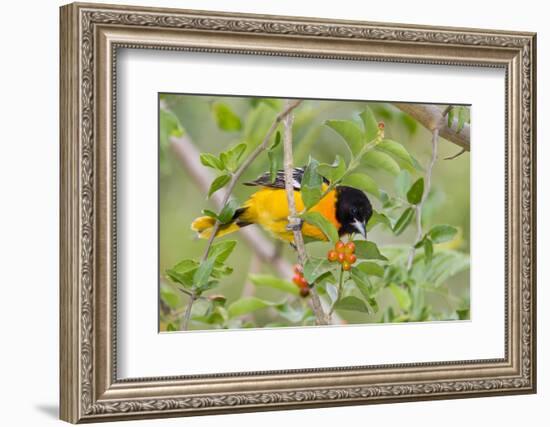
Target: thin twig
x=339 y=291
x=294 y=222
x=187 y=314
x=427 y=186
x=454 y=156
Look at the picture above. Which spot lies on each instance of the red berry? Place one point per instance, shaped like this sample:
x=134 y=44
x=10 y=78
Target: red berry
x=332 y=256
x=381 y=125
x=298 y=269
x=339 y=247
x=297 y=279
x=351 y=258
x=303 y=282
x=341 y=257
x=304 y=292
x=346 y=266
x=349 y=248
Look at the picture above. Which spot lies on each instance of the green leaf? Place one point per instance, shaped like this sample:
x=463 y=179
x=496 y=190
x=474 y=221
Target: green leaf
x=428 y=251
x=403 y=221
x=169 y=125
x=170 y=327
x=275 y=158
x=183 y=272
x=403 y=182
x=380 y=160
x=378 y=218
x=201 y=276
x=318 y=220
x=220 y=182
x=442 y=233
x=310 y=188
x=316 y=268
x=210 y=213
x=169 y=297
x=370 y=124
x=230 y=158
x=247 y=305
x=333 y=172
x=350 y=132
x=395 y=149
x=367 y=250
x=226 y=215
x=362 y=283
x=274 y=282
x=414 y=195
x=401 y=296
x=226 y=119
x=351 y=303
x=462 y=116
x=220 y=251
x=445 y=264
x=362 y=182
x=450 y=117
x=371 y=268
x=211 y=161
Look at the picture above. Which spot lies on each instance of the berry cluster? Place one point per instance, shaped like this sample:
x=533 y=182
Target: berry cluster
x=300 y=280
x=344 y=253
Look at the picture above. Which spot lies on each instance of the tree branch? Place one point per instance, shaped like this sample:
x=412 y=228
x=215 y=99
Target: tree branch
x=430 y=116
x=294 y=222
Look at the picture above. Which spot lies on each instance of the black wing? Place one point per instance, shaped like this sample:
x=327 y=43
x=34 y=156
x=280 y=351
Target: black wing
x=279 y=182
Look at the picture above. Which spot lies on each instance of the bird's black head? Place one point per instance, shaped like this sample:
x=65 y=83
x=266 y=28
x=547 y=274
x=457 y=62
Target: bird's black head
x=353 y=210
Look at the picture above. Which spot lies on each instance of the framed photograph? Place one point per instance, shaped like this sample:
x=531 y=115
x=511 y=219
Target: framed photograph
x=266 y=212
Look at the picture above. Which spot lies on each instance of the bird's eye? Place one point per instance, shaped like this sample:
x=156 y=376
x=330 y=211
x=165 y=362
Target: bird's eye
x=354 y=211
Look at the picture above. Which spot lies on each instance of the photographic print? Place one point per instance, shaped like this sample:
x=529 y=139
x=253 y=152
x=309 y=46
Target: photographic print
x=376 y=231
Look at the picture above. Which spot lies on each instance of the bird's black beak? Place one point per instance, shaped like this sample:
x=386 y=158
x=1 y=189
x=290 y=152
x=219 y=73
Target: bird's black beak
x=360 y=227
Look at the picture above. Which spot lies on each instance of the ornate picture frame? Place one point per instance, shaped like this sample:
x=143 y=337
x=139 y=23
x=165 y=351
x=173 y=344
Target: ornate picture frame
x=90 y=37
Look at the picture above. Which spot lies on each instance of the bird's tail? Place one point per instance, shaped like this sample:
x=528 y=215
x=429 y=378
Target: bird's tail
x=204 y=225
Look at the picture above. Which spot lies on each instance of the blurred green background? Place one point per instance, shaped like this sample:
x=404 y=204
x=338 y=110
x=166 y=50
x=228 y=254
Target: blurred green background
x=180 y=199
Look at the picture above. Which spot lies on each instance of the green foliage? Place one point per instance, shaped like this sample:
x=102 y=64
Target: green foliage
x=226 y=119
x=414 y=195
x=310 y=189
x=273 y=282
x=318 y=220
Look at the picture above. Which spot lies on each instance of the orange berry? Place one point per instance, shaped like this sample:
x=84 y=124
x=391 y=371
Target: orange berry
x=351 y=258
x=304 y=292
x=297 y=279
x=303 y=282
x=297 y=269
x=349 y=248
x=332 y=256
x=341 y=257
x=346 y=266
x=339 y=247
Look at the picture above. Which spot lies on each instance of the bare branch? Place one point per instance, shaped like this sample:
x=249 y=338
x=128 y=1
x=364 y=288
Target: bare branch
x=430 y=116
x=294 y=222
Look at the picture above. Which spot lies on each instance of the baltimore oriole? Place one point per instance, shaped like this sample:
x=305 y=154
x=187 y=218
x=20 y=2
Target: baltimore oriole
x=347 y=208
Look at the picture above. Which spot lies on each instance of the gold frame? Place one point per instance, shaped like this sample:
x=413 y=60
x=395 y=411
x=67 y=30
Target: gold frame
x=90 y=36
